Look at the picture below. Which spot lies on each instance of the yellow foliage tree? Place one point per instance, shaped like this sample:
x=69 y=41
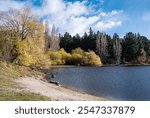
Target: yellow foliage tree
x=90 y=58
x=65 y=56
x=58 y=57
x=32 y=50
x=77 y=51
x=76 y=59
x=55 y=57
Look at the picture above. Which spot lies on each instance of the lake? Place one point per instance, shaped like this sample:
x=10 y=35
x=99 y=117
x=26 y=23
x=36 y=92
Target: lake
x=116 y=83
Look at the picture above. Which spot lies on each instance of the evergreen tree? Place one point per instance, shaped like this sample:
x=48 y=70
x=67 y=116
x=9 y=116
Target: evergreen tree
x=130 y=47
x=66 y=42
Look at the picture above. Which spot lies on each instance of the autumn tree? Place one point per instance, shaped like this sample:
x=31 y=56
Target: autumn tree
x=54 y=38
x=47 y=36
x=16 y=25
x=117 y=48
x=102 y=46
x=18 y=22
x=142 y=56
x=25 y=37
x=6 y=45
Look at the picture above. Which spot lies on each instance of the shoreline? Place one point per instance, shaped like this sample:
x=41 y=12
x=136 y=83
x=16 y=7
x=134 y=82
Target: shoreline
x=54 y=92
x=105 y=65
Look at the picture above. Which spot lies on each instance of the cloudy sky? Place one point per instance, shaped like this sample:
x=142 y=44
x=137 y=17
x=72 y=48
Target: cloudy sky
x=77 y=16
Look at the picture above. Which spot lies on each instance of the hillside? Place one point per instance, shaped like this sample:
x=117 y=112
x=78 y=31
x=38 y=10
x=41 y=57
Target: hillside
x=9 y=90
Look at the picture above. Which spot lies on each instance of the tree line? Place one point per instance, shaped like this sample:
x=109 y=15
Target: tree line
x=25 y=39
x=131 y=49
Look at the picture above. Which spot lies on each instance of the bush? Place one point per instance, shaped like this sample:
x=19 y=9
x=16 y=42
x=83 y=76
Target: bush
x=43 y=61
x=79 y=57
x=90 y=58
x=58 y=57
x=76 y=59
x=65 y=56
x=77 y=51
x=55 y=57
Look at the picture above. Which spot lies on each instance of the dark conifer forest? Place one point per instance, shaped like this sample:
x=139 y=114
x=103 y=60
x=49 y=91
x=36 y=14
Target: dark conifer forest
x=132 y=48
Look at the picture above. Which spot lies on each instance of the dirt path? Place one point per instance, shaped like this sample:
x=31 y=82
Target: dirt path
x=36 y=85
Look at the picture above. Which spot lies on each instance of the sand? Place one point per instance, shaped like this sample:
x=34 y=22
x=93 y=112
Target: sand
x=54 y=92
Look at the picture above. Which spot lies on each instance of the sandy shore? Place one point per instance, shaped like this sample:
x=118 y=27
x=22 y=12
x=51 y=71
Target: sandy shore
x=54 y=92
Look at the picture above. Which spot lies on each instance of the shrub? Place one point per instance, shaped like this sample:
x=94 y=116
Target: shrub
x=64 y=54
x=77 y=51
x=90 y=58
x=59 y=57
x=43 y=61
x=55 y=57
x=79 y=57
x=76 y=59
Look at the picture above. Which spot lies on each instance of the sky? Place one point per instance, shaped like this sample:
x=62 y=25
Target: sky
x=77 y=16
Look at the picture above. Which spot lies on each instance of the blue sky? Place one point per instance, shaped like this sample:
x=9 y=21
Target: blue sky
x=76 y=16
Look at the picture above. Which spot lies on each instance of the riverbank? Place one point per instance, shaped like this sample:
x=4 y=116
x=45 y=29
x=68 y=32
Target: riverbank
x=19 y=83
x=54 y=92
x=104 y=65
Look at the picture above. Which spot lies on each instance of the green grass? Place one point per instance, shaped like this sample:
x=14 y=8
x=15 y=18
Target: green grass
x=8 y=73
x=23 y=96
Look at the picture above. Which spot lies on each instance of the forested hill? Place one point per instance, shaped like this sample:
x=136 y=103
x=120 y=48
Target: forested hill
x=27 y=40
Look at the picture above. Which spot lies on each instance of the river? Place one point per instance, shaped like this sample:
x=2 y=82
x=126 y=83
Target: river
x=116 y=83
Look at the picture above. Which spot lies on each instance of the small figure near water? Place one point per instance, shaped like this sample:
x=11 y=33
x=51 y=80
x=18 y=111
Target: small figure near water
x=52 y=76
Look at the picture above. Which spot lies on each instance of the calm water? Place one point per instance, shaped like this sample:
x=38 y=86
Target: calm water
x=120 y=83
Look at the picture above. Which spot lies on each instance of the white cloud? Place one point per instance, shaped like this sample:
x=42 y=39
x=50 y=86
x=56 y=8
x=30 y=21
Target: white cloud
x=76 y=17
x=7 y=4
x=76 y=8
x=102 y=26
x=72 y=17
x=79 y=24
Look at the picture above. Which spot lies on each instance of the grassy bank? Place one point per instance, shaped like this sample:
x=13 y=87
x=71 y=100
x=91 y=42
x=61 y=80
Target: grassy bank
x=9 y=90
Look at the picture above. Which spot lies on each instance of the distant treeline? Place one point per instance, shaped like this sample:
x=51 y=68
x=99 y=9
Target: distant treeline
x=131 y=49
